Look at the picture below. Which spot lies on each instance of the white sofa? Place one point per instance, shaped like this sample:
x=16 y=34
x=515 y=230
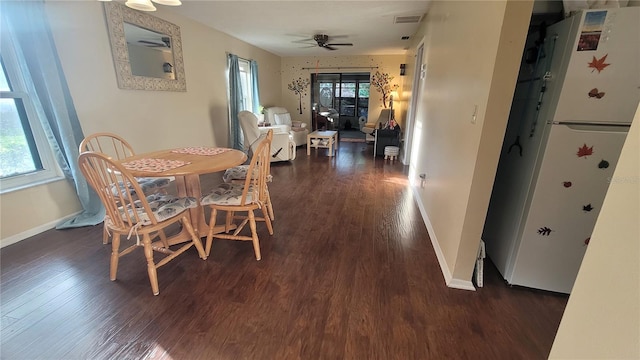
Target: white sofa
x=280 y=119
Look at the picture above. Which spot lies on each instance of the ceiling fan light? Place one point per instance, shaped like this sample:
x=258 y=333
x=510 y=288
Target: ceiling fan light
x=168 y=2
x=142 y=5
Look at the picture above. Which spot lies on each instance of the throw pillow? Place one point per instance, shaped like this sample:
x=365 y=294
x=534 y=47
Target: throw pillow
x=282 y=119
x=298 y=126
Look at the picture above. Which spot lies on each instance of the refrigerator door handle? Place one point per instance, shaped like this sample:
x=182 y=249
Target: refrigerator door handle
x=595 y=127
x=588 y=123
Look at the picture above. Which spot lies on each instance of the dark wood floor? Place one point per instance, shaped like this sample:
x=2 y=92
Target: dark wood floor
x=350 y=273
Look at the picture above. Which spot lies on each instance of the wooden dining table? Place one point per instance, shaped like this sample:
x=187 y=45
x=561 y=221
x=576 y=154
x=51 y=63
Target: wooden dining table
x=197 y=161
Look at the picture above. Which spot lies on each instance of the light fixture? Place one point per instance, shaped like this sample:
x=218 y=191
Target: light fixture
x=142 y=5
x=392 y=95
x=147 y=5
x=168 y=2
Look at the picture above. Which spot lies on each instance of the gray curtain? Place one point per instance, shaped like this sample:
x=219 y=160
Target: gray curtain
x=235 y=102
x=40 y=66
x=255 y=89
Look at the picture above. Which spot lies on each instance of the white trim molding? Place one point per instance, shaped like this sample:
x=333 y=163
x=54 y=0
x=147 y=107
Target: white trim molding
x=448 y=278
x=34 y=231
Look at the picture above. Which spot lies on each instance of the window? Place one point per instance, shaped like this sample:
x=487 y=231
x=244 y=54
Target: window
x=245 y=79
x=25 y=155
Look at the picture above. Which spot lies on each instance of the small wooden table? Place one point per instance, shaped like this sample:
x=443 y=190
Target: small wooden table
x=188 y=180
x=330 y=137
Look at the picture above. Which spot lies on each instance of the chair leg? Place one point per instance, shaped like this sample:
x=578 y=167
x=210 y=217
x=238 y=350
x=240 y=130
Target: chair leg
x=254 y=234
x=163 y=238
x=267 y=220
x=105 y=235
x=196 y=240
x=151 y=266
x=212 y=224
x=269 y=206
x=228 y=221
x=115 y=256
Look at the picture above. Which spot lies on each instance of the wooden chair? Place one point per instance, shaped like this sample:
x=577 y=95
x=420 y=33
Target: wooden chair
x=118 y=148
x=238 y=174
x=251 y=195
x=107 y=143
x=131 y=214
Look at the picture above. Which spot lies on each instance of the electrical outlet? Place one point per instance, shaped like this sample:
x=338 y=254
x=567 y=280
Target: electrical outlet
x=423 y=180
x=474 y=116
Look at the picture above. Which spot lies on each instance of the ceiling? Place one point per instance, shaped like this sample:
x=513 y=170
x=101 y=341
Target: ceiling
x=281 y=27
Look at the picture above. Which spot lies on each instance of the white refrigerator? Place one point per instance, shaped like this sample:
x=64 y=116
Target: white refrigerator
x=576 y=96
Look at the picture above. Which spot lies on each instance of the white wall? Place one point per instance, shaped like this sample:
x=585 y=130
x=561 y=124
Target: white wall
x=147 y=119
x=602 y=317
x=472 y=52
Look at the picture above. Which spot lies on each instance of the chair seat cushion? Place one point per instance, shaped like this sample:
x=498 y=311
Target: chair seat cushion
x=240 y=173
x=227 y=194
x=147 y=184
x=163 y=207
x=235 y=173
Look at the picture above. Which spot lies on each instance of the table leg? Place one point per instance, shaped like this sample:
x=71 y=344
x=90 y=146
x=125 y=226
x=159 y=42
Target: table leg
x=331 y=146
x=189 y=185
x=308 y=144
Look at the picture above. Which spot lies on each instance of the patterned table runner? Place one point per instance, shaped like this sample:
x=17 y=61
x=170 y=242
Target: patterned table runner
x=201 y=150
x=154 y=165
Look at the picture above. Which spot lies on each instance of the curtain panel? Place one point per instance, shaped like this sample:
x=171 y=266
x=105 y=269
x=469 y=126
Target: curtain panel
x=40 y=65
x=235 y=102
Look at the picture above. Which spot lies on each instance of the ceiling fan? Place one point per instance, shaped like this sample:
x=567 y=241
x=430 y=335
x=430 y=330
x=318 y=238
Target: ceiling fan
x=323 y=41
x=166 y=42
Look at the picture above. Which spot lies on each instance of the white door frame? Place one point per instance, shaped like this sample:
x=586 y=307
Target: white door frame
x=411 y=115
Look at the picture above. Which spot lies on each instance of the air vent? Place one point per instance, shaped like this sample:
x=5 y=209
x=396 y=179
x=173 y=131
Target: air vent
x=412 y=19
x=405 y=38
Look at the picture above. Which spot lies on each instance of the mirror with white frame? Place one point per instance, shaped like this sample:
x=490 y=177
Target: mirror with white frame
x=147 y=51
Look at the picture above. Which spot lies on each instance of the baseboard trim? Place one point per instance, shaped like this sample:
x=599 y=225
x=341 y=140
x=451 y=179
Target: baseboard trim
x=461 y=284
x=448 y=278
x=34 y=231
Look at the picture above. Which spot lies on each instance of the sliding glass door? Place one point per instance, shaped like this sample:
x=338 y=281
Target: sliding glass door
x=343 y=95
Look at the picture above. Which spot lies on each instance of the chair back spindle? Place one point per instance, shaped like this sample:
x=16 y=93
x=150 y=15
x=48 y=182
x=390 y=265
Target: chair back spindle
x=107 y=143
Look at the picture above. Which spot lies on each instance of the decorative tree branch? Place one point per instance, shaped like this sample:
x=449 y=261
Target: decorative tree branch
x=298 y=87
x=380 y=81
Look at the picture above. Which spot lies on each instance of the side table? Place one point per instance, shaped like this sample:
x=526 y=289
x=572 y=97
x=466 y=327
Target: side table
x=325 y=139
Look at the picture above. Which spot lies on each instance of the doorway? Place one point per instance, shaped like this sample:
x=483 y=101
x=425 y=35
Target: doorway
x=343 y=98
x=418 y=74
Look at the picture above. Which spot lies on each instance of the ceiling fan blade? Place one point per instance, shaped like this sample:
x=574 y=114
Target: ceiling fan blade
x=341 y=44
x=151 y=43
x=329 y=47
x=302 y=41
